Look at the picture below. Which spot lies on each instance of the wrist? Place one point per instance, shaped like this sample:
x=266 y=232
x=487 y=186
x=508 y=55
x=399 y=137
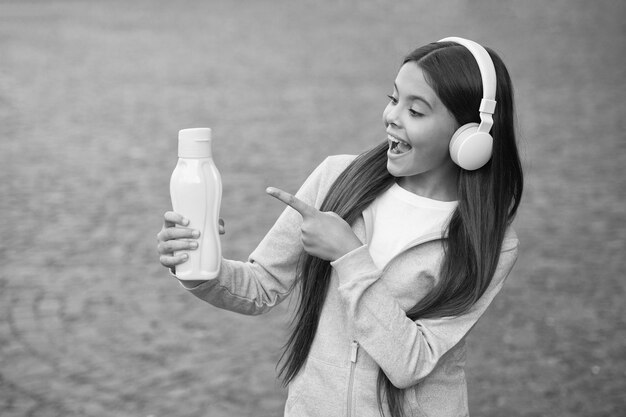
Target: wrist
x=348 y=247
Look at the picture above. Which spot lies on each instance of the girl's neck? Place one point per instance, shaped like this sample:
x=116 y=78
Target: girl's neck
x=441 y=189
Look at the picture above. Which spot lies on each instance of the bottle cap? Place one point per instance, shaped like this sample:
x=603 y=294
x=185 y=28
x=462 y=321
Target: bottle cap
x=194 y=143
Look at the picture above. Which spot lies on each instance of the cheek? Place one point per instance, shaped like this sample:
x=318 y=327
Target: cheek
x=441 y=146
x=450 y=128
x=431 y=143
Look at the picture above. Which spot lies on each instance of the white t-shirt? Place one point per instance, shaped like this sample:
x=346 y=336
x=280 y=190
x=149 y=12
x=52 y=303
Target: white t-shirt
x=400 y=217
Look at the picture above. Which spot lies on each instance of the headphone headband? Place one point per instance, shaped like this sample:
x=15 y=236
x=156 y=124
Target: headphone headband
x=487 y=72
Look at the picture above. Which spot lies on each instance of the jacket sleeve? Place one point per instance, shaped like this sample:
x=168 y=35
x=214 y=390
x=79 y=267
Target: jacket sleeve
x=255 y=286
x=407 y=351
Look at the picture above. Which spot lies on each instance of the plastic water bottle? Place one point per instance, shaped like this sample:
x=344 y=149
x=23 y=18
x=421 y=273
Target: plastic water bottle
x=196 y=191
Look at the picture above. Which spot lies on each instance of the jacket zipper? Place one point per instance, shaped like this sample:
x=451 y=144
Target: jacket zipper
x=354 y=350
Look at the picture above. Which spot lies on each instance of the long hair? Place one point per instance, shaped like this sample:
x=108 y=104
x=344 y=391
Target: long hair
x=488 y=199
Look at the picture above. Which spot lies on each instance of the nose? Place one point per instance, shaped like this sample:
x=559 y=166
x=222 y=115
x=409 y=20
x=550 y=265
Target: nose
x=390 y=115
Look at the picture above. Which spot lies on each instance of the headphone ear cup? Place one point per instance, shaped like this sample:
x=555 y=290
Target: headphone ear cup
x=469 y=148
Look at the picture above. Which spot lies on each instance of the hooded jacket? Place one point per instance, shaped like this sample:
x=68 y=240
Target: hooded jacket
x=363 y=324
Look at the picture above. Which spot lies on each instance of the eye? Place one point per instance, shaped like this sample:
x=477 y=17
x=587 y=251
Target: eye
x=392 y=99
x=415 y=113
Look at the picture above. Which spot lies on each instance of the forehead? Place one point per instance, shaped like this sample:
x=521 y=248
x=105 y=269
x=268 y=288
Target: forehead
x=411 y=81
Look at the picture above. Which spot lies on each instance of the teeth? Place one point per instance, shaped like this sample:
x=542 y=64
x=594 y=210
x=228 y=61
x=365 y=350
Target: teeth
x=397 y=145
x=404 y=147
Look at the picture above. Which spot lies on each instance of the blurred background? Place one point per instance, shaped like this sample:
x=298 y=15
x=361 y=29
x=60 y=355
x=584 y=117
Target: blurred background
x=92 y=95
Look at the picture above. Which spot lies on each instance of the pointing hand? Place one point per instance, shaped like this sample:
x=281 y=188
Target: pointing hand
x=324 y=234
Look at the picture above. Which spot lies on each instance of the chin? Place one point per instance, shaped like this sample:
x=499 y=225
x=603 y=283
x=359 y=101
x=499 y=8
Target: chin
x=391 y=169
x=398 y=171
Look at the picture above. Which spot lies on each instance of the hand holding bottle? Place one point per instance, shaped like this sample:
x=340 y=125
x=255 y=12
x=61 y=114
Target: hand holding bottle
x=175 y=239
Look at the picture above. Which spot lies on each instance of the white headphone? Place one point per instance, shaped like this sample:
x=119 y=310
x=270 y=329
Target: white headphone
x=471 y=144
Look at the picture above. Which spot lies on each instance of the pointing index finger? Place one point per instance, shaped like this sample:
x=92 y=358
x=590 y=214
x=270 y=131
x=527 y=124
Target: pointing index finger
x=294 y=202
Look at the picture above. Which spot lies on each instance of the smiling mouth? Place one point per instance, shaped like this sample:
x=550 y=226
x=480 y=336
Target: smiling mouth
x=397 y=146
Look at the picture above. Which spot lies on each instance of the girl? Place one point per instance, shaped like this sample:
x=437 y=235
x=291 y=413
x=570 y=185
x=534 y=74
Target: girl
x=397 y=252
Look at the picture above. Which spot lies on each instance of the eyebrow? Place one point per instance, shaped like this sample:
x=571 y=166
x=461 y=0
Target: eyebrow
x=413 y=97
